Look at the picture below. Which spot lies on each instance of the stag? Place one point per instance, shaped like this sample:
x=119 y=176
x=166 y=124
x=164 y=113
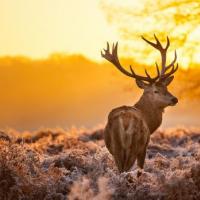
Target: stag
x=128 y=129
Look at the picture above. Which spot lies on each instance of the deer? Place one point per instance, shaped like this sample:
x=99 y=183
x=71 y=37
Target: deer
x=128 y=129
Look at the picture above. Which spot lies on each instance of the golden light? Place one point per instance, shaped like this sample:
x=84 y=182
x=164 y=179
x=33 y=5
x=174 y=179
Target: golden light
x=41 y=27
x=52 y=73
x=177 y=19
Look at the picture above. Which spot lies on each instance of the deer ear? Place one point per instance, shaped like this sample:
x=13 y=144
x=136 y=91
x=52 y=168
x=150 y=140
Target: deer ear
x=141 y=84
x=168 y=80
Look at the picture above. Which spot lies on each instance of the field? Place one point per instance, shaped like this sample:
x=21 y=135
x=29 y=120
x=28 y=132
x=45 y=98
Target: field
x=65 y=65
x=75 y=164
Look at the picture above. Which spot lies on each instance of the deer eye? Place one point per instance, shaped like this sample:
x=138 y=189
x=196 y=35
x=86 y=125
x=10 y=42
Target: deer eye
x=156 y=92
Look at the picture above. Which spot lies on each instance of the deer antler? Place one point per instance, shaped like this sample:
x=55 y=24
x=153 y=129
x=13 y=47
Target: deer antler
x=161 y=75
x=113 y=58
x=163 y=52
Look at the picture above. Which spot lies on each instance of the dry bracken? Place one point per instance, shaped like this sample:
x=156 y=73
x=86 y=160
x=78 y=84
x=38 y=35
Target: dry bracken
x=28 y=170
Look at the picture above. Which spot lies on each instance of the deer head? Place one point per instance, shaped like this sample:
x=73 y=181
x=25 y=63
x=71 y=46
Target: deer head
x=155 y=88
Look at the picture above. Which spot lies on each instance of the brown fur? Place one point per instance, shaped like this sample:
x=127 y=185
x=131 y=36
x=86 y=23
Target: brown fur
x=128 y=129
x=126 y=136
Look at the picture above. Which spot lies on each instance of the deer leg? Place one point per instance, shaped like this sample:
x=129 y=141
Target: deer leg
x=126 y=163
x=119 y=158
x=130 y=158
x=142 y=154
x=107 y=139
x=141 y=158
x=126 y=158
x=140 y=161
x=130 y=162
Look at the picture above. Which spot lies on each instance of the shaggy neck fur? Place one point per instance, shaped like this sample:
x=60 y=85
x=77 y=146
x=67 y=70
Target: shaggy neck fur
x=151 y=112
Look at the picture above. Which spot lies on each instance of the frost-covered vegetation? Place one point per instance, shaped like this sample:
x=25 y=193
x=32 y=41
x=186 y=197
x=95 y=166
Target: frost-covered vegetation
x=58 y=165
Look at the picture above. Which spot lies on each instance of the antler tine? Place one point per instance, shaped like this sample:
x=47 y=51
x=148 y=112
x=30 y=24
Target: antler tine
x=163 y=52
x=113 y=46
x=156 y=45
x=134 y=75
x=148 y=78
x=173 y=62
x=113 y=58
x=114 y=50
x=158 y=71
x=147 y=73
x=107 y=50
x=149 y=42
x=159 y=45
x=158 y=74
x=108 y=47
x=168 y=43
x=173 y=70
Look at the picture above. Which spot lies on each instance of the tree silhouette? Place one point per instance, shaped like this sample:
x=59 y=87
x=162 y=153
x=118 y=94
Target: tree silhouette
x=177 y=18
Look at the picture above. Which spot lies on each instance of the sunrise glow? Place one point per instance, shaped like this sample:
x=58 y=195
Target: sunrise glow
x=52 y=72
x=42 y=27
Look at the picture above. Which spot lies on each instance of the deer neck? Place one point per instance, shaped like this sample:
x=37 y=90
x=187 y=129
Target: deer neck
x=152 y=113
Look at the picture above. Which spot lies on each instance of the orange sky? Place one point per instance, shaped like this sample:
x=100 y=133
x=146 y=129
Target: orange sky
x=63 y=91
x=45 y=88
x=41 y=27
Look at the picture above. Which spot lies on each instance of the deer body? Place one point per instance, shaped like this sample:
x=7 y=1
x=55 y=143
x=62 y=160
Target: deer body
x=126 y=137
x=151 y=114
x=128 y=129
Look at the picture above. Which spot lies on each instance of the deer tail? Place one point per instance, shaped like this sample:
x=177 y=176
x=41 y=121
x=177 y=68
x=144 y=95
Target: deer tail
x=126 y=135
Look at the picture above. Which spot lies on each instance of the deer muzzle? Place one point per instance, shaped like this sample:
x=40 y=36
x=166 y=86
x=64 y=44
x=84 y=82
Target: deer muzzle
x=174 y=101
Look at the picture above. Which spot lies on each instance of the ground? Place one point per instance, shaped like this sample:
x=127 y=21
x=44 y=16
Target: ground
x=75 y=165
